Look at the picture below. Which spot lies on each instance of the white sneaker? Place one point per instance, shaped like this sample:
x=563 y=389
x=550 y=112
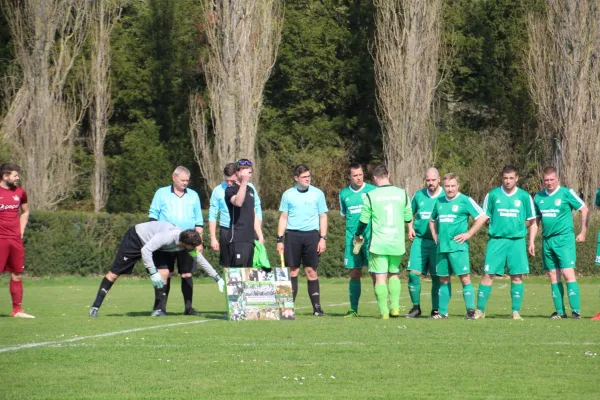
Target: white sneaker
x=22 y=314
x=517 y=316
x=479 y=314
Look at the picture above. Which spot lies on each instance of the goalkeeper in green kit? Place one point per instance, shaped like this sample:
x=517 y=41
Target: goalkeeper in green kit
x=387 y=208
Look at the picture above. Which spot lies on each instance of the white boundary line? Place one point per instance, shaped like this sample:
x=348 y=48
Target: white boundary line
x=102 y=335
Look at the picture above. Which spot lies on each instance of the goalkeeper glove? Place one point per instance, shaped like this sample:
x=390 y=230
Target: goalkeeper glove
x=221 y=284
x=156 y=279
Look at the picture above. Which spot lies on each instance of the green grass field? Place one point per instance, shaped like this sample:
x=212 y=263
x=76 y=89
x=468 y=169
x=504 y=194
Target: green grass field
x=126 y=354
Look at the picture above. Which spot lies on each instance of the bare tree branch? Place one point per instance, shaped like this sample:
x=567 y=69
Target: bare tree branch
x=564 y=72
x=407 y=51
x=46 y=106
x=243 y=38
x=105 y=14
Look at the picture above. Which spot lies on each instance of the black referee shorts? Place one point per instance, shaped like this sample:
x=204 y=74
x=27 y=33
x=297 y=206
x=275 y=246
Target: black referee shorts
x=130 y=251
x=241 y=253
x=224 y=257
x=166 y=260
x=300 y=248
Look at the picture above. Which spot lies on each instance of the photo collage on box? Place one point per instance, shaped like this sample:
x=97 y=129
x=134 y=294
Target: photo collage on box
x=259 y=294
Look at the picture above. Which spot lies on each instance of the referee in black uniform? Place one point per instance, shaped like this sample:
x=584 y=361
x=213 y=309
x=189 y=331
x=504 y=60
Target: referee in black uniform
x=239 y=198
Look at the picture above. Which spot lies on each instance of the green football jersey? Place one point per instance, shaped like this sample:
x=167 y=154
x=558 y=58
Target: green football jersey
x=556 y=210
x=351 y=204
x=452 y=218
x=508 y=213
x=597 y=200
x=388 y=209
x=422 y=205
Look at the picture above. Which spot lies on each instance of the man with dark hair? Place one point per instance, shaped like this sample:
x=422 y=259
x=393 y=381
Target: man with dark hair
x=351 y=203
x=511 y=214
x=303 y=220
x=387 y=209
x=180 y=206
x=239 y=198
x=12 y=226
x=141 y=241
x=423 y=249
x=218 y=210
x=554 y=209
x=449 y=226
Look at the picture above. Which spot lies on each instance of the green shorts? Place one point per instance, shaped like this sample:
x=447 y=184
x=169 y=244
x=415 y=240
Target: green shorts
x=501 y=252
x=423 y=253
x=457 y=263
x=382 y=264
x=559 y=252
x=359 y=260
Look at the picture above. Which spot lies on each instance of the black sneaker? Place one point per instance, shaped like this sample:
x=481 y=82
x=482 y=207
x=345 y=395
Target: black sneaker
x=318 y=311
x=575 y=315
x=414 y=312
x=434 y=313
x=470 y=314
x=191 y=311
x=437 y=315
x=556 y=315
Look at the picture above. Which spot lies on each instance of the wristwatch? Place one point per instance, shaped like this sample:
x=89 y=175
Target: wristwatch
x=279 y=239
x=324 y=237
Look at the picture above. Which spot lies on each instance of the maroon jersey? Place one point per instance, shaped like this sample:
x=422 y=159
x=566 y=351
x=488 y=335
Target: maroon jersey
x=10 y=202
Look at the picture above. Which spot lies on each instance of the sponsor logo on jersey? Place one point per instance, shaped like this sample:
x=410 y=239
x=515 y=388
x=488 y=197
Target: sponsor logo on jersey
x=517 y=203
x=557 y=202
x=16 y=198
x=455 y=208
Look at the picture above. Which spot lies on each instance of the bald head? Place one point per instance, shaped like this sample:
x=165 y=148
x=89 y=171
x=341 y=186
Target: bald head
x=432 y=180
x=432 y=173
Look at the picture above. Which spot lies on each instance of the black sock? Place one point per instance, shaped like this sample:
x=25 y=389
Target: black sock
x=187 y=288
x=160 y=302
x=295 y=286
x=313 y=293
x=105 y=286
x=160 y=299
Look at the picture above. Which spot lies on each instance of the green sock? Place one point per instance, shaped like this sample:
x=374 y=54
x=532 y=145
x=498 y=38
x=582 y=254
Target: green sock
x=574 y=298
x=444 y=298
x=483 y=294
x=469 y=296
x=435 y=292
x=414 y=288
x=354 y=292
x=517 y=291
x=395 y=288
x=381 y=294
x=557 y=297
x=449 y=291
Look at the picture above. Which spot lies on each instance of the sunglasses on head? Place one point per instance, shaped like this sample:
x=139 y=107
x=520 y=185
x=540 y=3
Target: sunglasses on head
x=244 y=162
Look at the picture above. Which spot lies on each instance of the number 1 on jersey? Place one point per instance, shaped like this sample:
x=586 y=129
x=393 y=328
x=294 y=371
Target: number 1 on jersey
x=390 y=214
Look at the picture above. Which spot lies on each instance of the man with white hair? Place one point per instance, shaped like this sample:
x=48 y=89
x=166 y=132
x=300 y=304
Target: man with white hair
x=180 y=206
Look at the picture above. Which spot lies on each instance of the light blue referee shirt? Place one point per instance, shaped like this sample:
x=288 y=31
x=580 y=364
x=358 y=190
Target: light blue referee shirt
x=218 y=208
x=184 y=212
x=303 y=208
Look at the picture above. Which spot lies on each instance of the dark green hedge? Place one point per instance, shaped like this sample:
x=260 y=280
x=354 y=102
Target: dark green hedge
x=73 y=243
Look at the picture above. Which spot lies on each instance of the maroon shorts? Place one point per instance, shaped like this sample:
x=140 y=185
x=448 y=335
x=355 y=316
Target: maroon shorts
x=12 y=255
